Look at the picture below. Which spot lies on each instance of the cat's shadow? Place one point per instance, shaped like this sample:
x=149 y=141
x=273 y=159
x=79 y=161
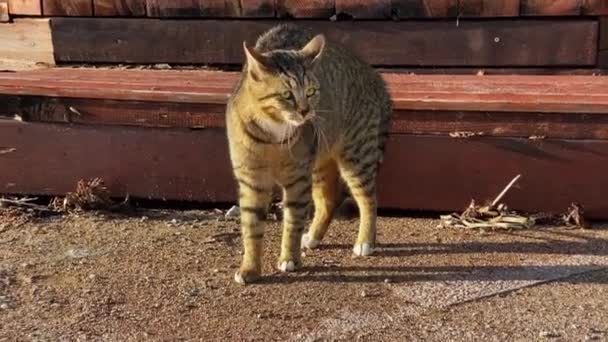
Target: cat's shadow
x=562 y=254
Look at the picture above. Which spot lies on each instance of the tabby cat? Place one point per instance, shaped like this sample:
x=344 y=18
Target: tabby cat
x=305 y=114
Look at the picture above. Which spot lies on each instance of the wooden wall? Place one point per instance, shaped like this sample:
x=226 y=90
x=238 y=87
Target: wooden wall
x=358 y=9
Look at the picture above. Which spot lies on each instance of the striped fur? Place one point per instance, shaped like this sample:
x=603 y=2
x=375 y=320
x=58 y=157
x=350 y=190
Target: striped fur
x=308 y=115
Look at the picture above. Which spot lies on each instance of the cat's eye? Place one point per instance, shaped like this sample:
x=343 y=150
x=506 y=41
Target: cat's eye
x=286 y=94
x=311 y=92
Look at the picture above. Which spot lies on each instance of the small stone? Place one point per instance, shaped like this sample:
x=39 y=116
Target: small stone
x=216 y=270
x=143 y=218
x=4 y=306
x=364 y=294
x=174 y=221
x=92 y=276
x=548 y=334
x=233 y=213
x=162 y=66
x=387 y=280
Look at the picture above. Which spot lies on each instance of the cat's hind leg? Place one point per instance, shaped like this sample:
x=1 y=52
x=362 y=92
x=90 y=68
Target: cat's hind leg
x=359 y=167
x=325 y=188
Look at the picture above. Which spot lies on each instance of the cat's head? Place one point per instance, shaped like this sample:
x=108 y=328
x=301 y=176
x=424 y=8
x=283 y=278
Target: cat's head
x=282 y=83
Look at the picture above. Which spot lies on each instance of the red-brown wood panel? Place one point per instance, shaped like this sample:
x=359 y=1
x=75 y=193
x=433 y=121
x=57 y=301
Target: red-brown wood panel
x=594 y=7
x=419 y=172
x=429 y=43
x=192 y=8
x=425 y=8
x=195 y=115
x=258 y=8
x=123 y=8
x=25 y=7
x=306 y=9
x=550 y=7
x=488 y=8
x=365 y=9
x=76 y=8
x=602 y=57
x=516 y=93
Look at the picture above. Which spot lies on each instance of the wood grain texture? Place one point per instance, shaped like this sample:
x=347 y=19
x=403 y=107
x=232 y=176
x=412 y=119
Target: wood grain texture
x=197 y=116
x=363 y=9
x=488 y=8
x=4 y=15
x=116 y=8
x=192 y=8
x=602 y=56
x=517 y=93
x=26 y=42
x=194 y=166
x=594 y=7
x=258 y=8
x=75 y=8
x=425 y=8
x=471 y=43
x=146 y=163
x=550 y=7
x=25 y=7
x=305 y=9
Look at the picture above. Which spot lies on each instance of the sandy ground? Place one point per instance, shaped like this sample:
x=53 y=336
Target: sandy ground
x=167 y=275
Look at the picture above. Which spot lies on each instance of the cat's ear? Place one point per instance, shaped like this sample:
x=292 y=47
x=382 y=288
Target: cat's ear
x=255 y=62
x=314 y=48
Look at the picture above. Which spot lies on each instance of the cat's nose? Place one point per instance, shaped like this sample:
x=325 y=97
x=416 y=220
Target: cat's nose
x=305 y=111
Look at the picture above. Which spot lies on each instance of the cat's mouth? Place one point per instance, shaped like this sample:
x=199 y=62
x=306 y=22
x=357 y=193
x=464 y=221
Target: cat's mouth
x=296 y=120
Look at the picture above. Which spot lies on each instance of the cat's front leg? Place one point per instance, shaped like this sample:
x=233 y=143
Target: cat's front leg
x=296 y=204
x=255 y=190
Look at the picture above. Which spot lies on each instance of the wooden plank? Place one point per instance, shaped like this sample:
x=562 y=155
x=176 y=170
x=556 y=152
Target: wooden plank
x=25 y=7
x=550 y=7
x=424 y=8
x=305 y=9
x=602 y=57
x=472 y=43
x=257 y=8
x=488 y=8
x=543 y=94
x=76 y=8
x=115 y=8
x=26 y=43
x=446 y=173
x=4 y=16
x=438 y=173
x=365 y=9
x=192 y=8
x=122 y=158
x=594 y=7
x=186 y=115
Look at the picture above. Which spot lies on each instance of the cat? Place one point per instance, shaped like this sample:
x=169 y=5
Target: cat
x=306 y=114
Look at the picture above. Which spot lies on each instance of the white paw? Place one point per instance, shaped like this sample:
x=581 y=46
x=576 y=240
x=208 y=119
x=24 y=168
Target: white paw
x=308 y=242
x=239 y=278
x=363 y=249
x=287 y=266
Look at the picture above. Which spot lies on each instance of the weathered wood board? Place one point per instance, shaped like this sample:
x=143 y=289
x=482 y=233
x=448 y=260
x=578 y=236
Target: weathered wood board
x=78 y=8
x=26 y=43
x=122 y=8
x=488 y=8
x=470 y=43
x=550 y=7
x=420 y=172
x=25 y=7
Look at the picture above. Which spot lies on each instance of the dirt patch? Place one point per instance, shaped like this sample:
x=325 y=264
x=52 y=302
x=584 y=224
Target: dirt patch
x=167 y=275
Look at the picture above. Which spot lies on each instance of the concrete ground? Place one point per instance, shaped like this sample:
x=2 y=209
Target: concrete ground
x=167 y=275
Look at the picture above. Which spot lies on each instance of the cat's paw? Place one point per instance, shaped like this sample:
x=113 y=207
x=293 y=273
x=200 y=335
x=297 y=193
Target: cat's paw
x=246 y=277
x=363 y=249
x=309 y=242
x=288 y=265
